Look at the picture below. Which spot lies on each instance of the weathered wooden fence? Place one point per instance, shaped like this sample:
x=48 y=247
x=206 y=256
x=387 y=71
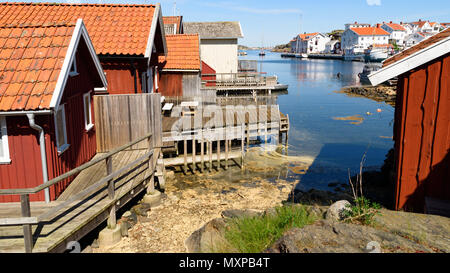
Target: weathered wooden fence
x=120 y=119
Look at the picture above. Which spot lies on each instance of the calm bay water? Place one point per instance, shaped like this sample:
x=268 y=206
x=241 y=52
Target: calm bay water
x=311 y=102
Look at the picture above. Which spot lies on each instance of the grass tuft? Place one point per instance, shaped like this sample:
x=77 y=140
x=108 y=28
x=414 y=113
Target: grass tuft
x=255 y=234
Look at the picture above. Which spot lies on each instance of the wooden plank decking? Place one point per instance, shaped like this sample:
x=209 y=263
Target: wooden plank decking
x=83 y=216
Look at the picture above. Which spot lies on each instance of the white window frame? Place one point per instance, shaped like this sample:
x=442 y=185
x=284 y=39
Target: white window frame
x=61 y=148
x=73 y=67
x=4 y=159
x=90 y=125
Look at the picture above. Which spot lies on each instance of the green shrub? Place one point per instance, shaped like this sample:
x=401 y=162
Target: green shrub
x=254 y=234
x=362 y=211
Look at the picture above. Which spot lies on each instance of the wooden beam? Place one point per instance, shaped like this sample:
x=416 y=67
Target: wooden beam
x=193 y=155
x=202 y=142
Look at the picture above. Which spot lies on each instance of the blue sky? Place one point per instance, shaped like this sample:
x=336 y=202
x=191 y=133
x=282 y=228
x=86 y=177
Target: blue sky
x=276 y=22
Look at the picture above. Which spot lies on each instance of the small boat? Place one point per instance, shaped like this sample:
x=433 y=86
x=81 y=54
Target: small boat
x=376 y=54
x=368 y=68
x=262 y=53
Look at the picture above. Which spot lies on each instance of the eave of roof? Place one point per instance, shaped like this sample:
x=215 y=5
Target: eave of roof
x=424 y=52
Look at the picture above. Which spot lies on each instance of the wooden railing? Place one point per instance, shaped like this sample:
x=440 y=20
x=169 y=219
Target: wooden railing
x=236 y=79
x=27 y=221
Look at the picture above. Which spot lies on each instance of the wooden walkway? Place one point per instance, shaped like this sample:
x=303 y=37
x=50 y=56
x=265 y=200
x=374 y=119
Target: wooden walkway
x=84 y=214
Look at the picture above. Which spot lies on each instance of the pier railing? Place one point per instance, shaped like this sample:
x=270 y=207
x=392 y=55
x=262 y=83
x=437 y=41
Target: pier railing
x=250 y=79
x=27 y=220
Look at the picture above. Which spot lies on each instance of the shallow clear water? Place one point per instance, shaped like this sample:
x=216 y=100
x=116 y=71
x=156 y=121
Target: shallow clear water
x=311 y=102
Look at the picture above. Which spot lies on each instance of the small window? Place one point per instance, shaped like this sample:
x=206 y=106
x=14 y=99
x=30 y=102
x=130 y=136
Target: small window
x=4 y=149
x=88 y=124
x=73 y=68
x=60 y=129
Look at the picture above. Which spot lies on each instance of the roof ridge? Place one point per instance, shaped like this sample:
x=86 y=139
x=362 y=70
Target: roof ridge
x=74 y=4
x=30 y=25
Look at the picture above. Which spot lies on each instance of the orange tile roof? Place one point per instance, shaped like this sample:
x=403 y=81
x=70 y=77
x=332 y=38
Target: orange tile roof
x=370 y=31
x=172 y=20
x=31 y=58
x=419 y=23
x=395 y=26
x=424 y=44
x=183 y=52
x=114 y=29
x=307 y=36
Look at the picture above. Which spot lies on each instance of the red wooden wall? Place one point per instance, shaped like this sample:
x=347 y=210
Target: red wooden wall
x=170 y=84
x=25 y=171
x=120 y=75
x=422 y=135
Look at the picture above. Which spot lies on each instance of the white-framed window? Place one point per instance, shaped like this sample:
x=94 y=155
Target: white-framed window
x=60 y=129
x=73 y=68
x=88 y=124
x=4 y=148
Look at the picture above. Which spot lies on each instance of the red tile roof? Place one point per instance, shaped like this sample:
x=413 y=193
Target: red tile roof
x=369 y=31
x=395 y=26
x=183 y=52
x=419 y=23
x=172 y=20
x=307 y=36
x=31 y=58
x=114 y=29
x=424 y=44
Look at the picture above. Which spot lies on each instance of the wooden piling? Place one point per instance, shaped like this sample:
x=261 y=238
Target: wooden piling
x=185 y=156
x=218 y=155
x=226 y=152
x=193 y=155
x=201 y=154
x=242 y=146
x=210 y=155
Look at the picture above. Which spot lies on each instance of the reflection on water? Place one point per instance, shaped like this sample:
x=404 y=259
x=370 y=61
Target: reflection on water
x=318 y=126
x=329 y=131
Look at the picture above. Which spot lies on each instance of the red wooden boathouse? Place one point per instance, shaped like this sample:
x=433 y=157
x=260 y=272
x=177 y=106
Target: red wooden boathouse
x=48 y=73
x=127 y=38
x=422 y=123
x=181 y=68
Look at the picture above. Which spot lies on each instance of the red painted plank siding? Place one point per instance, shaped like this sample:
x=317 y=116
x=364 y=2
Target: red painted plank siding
x=422 y=135
x=120 y=76
x=170 y=84
x=25 y=170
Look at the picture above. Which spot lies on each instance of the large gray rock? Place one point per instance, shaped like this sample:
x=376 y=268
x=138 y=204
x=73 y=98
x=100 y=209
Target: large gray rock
x=208 y=238
x=429 y=230
x=336 y=210
x=336 y=237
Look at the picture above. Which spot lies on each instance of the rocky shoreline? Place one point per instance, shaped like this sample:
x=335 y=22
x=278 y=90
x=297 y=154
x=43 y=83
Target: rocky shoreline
x=382 y=93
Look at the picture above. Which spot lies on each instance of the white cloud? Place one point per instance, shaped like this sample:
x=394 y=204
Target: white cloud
x=373 y=2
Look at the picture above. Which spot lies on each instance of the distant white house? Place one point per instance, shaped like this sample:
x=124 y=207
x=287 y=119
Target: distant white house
x=416 y=38
x=333 y=47
x=218 y=43
x=356 y=25
x=397 y=32
x=425 y=26
x=356 y=40
x=311 y=43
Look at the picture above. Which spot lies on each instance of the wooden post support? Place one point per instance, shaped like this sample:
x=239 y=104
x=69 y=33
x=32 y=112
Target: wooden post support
x=248 y=134
x=226 y=152
x=27 y=230
x=242 y=146
x=210 y=155
x=265 y=137
x=218 y=155
x=193 y=155
x=185 y=155
x=202 y=142
x=112 y=213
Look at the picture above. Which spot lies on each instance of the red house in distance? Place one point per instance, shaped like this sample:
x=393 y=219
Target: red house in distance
x=48 y=73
